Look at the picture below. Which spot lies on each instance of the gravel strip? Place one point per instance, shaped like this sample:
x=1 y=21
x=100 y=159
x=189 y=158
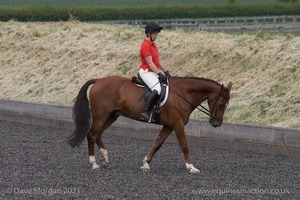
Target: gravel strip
x=36 y=163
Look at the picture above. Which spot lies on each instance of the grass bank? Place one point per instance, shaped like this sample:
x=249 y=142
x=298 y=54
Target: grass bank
x=48 y=63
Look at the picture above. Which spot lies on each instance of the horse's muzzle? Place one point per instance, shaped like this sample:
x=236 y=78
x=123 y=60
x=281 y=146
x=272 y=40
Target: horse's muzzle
x=215 y=122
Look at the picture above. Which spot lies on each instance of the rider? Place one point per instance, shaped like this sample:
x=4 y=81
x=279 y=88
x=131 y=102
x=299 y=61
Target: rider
x=150 y=68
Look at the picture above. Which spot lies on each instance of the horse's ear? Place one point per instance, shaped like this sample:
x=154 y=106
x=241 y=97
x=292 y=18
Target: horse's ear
x=229 y=85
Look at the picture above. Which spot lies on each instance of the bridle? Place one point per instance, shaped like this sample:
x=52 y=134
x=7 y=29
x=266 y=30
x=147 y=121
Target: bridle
x=216 y=99
x=204 y=109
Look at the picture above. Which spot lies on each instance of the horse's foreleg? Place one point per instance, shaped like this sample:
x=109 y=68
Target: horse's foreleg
x=163 y=135
x=180 y=134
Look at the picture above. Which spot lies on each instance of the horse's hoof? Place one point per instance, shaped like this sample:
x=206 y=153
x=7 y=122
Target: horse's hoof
x=145 y=168
x=194 y=171
x=106 y=165
x=95 y=166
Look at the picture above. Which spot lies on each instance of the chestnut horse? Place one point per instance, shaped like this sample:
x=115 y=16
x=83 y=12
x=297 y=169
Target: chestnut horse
x=113 y=96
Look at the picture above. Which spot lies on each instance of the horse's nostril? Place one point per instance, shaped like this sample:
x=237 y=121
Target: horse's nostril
x=215 y=122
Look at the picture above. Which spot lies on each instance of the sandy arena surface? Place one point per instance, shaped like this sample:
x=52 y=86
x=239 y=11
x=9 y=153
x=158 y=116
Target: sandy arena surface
x=36 y=163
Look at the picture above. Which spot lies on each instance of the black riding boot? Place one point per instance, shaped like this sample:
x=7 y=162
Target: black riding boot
x=152 y=99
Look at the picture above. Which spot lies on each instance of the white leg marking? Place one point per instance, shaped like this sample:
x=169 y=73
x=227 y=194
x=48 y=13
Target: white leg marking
x=103 y=156
x=192 y=169
x=92 y=161
x=145 y=167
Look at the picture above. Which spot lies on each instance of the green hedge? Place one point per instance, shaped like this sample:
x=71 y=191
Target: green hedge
x=97 y=13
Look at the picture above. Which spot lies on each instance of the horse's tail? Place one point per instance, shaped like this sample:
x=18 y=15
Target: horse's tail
x=81 y=115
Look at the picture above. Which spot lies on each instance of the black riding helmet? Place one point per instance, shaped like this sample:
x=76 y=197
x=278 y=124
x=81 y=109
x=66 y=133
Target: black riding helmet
x=152 y=27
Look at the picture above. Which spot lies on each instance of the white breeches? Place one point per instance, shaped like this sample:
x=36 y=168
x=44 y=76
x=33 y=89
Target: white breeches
x=151 y=80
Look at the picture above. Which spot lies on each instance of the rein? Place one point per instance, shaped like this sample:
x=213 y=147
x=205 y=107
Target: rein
x=203 y=109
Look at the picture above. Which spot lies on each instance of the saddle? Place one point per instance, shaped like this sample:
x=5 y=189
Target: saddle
x=155 y=113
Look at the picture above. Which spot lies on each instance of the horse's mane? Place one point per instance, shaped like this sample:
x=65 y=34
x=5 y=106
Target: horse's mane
x=198 y=78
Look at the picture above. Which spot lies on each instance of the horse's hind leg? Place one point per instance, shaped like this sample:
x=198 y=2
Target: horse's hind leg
x=103 y=151
x=92 y=138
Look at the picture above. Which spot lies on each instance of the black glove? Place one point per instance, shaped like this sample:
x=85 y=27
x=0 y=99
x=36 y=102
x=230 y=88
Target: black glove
x=167 y=73
x=162 y=78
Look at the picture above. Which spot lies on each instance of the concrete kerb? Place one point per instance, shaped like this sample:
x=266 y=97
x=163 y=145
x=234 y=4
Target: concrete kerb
x=230 y=136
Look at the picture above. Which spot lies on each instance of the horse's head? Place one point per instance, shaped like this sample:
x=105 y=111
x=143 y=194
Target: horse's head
x=217 y=103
